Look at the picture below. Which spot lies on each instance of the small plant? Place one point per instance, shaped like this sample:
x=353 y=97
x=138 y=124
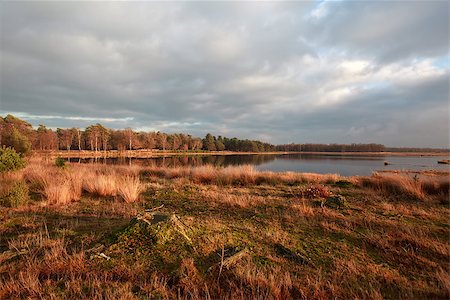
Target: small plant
x=139 y=238
x=10 y=160
x=17 y=195
x=60 y=162
x=316 y=191
x=343 y=183
x=337 y=201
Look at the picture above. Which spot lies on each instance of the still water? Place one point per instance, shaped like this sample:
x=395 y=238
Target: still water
x=338 y=164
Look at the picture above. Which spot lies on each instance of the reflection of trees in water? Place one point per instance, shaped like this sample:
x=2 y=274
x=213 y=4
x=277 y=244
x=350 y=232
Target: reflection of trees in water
x=215 y=160
x=181 y=161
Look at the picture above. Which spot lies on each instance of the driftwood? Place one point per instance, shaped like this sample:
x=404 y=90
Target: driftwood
x=234 y=259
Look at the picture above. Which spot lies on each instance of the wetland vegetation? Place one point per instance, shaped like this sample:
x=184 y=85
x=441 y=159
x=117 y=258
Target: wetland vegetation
x=113 y=231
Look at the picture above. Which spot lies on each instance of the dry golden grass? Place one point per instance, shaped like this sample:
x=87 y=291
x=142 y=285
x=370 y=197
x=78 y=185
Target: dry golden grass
x=252 y=235
x=215 y=196
x=56 y=185
x=407 y=186
x=238 y=175
x=130 y=188
x=101 y=184
x=303 y=209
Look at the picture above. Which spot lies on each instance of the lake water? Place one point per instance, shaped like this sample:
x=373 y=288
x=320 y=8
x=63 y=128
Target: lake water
x=310 y=163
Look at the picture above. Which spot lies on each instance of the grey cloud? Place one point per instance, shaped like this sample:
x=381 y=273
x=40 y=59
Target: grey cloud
x=386 y=30
x=253 y=70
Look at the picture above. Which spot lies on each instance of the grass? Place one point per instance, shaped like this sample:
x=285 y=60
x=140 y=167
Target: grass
x=130 y=188
x=230 y=233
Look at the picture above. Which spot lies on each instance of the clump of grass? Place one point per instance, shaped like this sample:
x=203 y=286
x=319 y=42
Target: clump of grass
x=399 y=185
x=56 y=185
x=204 y=174
x=241 y=175
x=101 y=184
x=130 y=188
x=58 y=191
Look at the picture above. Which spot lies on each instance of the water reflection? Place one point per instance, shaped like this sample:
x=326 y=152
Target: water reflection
x=344 y=165
x=181 y=161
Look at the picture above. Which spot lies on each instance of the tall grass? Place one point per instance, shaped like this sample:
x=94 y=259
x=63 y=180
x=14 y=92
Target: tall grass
x=238 y=175
x=57 y=186
x=130 y=188
x=101 y=184
x=406 y=186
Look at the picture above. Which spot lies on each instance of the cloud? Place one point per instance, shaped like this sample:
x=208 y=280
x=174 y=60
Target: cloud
x=283 y=72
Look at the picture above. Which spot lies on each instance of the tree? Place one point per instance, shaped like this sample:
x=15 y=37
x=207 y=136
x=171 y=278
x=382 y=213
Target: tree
x=104 y=136
x=92 y=134
x=16 y=140
x=46 y=138
x=78 y=134
x=147 y=139
x=161 y=139
x=130 y=137
x=208 y=143
x=219 y=144
x=196 y=144
x=65 y=137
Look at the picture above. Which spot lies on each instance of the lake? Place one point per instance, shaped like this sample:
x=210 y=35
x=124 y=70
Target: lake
x=346 y=165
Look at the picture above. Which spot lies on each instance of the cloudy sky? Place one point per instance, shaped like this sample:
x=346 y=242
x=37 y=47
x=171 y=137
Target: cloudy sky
x=320 y=71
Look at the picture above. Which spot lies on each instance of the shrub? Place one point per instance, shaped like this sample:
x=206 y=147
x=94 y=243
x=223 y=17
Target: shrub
x=316 y=191
x=60 y=162
x=343 y=183
x=17 y=195
x=337 y=201
x=16 y=140
x=10 y=160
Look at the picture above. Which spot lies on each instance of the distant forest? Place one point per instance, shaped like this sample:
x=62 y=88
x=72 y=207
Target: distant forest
x=21 y=135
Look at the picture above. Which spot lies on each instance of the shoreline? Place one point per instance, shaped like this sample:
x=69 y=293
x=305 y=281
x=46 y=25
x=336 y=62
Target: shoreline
x=155 y=154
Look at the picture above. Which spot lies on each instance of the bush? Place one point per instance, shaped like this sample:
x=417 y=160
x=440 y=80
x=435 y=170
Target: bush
x=337 y=201
x=315 y=191
x=17 y=195
x=16 y=140
x=60 y=162
x=10 y=160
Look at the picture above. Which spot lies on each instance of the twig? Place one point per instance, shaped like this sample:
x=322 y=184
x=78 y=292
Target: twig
x=155 y=208
x=221 y=264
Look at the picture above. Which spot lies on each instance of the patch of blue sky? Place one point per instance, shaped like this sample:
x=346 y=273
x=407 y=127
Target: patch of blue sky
x=442 y=62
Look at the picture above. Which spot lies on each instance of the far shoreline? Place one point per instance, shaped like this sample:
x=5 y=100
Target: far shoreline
x=158 y=153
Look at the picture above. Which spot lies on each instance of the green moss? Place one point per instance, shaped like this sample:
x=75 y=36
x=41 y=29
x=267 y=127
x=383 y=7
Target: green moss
x=343 y=184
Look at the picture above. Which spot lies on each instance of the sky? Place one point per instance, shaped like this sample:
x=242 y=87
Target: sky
x=281 y=72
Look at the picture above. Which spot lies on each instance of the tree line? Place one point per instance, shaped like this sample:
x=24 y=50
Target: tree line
x=331 y=148
x=21 y=135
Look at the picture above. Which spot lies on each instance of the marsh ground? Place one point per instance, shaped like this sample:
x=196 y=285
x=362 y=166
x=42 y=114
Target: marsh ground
x=231 y=233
